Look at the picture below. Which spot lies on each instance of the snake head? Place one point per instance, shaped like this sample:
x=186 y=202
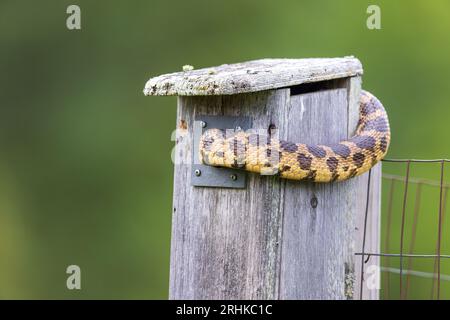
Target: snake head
x=211 y=142
x=224 y=148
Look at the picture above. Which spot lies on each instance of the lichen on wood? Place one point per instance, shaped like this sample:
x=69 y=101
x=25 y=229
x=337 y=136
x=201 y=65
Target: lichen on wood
x=252 y=76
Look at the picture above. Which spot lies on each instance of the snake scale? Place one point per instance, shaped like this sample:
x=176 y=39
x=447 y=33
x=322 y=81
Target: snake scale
x=264 y=154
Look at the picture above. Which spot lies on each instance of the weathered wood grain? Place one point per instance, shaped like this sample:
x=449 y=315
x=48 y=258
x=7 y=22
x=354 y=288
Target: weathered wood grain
x=372 y=244
x=268 y=241
x=321 y=258
x=358 y=205
x=225 y=242
x=252 y=76
x=315 y=241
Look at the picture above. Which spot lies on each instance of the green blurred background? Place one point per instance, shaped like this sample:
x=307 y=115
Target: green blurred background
x=85 y=170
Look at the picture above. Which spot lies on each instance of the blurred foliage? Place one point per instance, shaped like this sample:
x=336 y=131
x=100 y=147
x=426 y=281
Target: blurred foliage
x=85 y=170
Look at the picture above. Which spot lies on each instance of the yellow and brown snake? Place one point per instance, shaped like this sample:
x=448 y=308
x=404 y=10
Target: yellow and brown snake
x=265 y=154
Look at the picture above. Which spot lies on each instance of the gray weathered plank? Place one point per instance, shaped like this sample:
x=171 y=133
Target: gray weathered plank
x=225 y=241
x=372 y=244
x=252 y=76
x=315 y=259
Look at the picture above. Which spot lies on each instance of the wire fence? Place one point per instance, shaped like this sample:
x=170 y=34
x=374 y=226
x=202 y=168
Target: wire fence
x=394 y=181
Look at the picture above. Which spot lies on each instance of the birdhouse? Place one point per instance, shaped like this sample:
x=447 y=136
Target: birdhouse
x=241 y=235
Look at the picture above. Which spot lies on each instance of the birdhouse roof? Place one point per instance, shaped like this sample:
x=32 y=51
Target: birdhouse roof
x=251 y=76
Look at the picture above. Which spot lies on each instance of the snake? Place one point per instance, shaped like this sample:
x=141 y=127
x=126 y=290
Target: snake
x=265 y=154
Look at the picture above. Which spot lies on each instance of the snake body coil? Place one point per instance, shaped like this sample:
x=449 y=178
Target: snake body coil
x=265 y=154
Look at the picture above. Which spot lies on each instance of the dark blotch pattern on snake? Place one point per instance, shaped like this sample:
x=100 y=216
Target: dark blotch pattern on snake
x=319 y=163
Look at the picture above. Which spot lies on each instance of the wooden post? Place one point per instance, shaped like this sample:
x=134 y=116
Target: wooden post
x=274 y=239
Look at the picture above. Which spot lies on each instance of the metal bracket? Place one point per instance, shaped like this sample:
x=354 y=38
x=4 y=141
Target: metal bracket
x=208 y=176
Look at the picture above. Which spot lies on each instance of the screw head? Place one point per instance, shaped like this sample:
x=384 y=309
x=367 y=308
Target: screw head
x=197 y=172
x=233 y=177
x=203 y=124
